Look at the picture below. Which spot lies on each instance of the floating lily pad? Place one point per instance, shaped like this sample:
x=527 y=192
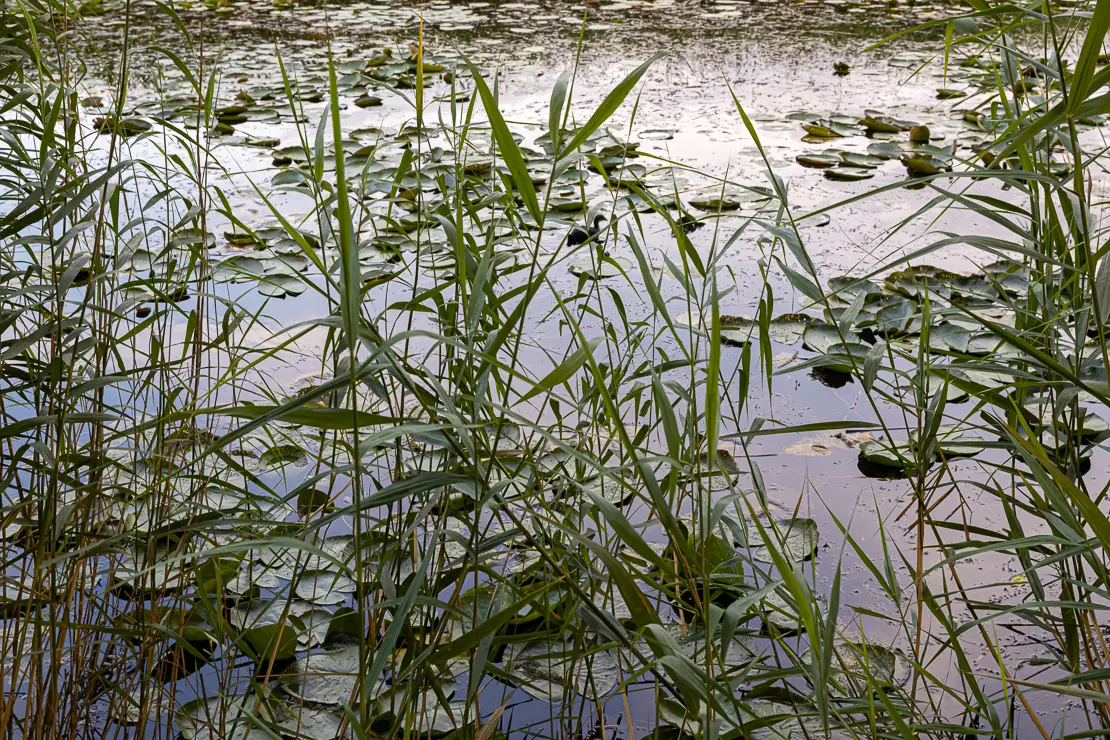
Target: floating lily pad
x=587 y=266
x=925 y=164
x=313 y=723
x=855 y=159
x=550 y=671
x=856 y=669
x=717 y=476
x=825 y=131
x=819 y=161
x=322 y=587
x=221 y=717
x=283 y=454
x=715 y=203
x=779 y=612
x=424 y=713
x=883 y=453
x=881 y=124
x=884 y=150
x=796 y=539
x=822 y=337
x=789 y=328
x=847 y=173
x=327 y=677
x=280 y=286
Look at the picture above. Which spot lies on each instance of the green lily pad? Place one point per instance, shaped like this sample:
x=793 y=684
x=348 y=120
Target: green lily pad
x=925 y=164
x=221 y=717
x=327 y=677
x=819 y=161
x=552 y=671
x=780 y=614
x=846 y=173
x=866 y=161
x=424 y=713
x=822 y=337
x=312 y=723
x=858 y=668
x=884 y=150
x=796 y=539
x=881 y=124
x=715 y=203
x=829 y=130
x=881 y=452
x=587 y=266
x=322 y=587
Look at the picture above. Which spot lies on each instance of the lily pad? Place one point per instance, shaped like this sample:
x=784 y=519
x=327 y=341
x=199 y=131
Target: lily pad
x=327 y=677
x=883 y=453
x=884 y=150
x=925 y=164
x=550 y=671
x=847 y=173
x=855 y=159
x=819 y=161
x=587 y=266
x=857 y=668
x=796 y=539
x=322 y=587
x=221 y=718
x=779 y=612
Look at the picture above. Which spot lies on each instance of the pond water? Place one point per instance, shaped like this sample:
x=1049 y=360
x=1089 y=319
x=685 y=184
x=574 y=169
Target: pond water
x=678 y=137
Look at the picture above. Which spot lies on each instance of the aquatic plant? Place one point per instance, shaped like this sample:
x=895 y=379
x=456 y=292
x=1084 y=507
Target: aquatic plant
x=500 y=496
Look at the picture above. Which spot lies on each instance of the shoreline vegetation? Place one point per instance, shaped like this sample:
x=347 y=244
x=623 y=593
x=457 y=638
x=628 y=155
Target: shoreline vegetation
x=526 y=489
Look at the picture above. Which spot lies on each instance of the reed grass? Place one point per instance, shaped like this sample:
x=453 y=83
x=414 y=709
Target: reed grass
x=495 y=483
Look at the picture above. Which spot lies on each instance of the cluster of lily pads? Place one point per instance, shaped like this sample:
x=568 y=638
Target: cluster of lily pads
x=872 y=330
x=219 y=573
x=918 y=156
x=364 y=79
x=918 y=151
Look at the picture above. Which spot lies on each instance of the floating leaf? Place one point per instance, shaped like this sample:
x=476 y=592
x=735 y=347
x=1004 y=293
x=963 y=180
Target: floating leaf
x=844 y=172
x=327 y=677
x=322 y=587
x=551 y=671
x=819 y=161
x=796 y=539
x=589 y=267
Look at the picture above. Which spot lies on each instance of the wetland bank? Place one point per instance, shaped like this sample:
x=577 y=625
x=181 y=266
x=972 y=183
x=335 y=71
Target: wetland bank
x=317 y=423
